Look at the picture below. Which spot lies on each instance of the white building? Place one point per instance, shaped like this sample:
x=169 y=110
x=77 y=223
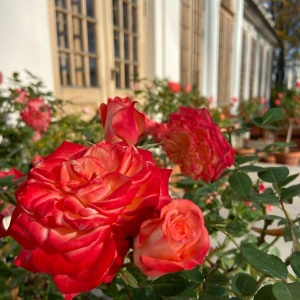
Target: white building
x=87 y=50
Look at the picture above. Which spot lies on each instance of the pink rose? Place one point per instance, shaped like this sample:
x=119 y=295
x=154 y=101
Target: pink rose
x=280 y=95
x=195 y=143
x=121 y=121
x=188 y=88
x=37 y=115
x=78 y=205
x=21 y=96
x=177 y=240
x=174 y=86
x=277 y=102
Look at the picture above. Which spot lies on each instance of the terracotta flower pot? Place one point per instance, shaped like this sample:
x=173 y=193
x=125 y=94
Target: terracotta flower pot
x=266 y=157
x=245 y=151
x=290 y=158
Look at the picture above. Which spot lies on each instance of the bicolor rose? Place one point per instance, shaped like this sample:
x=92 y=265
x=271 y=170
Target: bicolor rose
x=177 y=240
x=72 y=209
x=121 y=121
x=195 y=143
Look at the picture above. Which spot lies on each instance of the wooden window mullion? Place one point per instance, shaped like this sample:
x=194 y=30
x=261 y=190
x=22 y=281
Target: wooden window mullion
x=86 y=68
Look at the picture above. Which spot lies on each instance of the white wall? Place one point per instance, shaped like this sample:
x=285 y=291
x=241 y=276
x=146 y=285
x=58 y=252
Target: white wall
x=164 y=39
x=25 y=39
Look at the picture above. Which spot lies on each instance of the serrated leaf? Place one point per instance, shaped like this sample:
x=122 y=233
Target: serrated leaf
x=265 y=293
x=286 y=291
x=266 y=263
x=241 y=183
x=273 y=175
x=244 y=284
x=295 y=263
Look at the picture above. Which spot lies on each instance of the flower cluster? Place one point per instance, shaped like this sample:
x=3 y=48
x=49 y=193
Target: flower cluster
x=81 y=209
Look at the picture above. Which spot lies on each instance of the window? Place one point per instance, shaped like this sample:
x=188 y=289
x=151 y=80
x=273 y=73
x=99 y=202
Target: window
x=126 y=40
x=76 y=43
x=191 y=42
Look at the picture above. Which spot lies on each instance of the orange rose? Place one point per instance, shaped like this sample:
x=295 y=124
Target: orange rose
x=176 y=241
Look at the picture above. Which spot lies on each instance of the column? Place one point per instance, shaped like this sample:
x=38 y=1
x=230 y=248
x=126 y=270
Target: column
x=237 y=49
x=211 y=49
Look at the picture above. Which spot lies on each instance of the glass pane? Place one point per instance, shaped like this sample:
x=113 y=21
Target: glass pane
x=135 y=73
x=127 y=76
x=60 y=3
x=116 y=43
x=116 y=12
x=118 y=75
x=93 y=71
x=126 y=46
x=77 y=35
x=134 y=19
x=61 y=28
x=64 y=69
x=125 y=15
x=76 y=6
x=135 y=49
x=79 y=70
x=90 y=9
x=91 y=37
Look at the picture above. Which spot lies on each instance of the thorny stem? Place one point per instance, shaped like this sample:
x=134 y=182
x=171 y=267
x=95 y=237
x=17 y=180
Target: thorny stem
x=261 y=239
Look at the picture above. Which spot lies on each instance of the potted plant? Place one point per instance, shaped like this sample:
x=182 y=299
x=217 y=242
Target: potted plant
x=289 y=101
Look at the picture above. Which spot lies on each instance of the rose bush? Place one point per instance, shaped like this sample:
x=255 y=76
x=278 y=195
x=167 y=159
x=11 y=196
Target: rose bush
x=177 y=240
x=195 y=143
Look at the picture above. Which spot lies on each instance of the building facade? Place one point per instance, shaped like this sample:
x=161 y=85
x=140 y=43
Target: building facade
x=88 y=50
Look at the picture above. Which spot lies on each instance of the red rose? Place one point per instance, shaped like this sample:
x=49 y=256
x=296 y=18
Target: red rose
x=195 y=143
x=155 y=129
x=121 y=121
x=72 y=207
x=12 y=172
x=177 y=240
x=37 y=115
x=277 y=102
x=174 y=86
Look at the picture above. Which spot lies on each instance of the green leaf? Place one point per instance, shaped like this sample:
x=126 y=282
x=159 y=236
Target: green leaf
x=241 y=183
x=265 y=293
x=271 y=217
x=272 y=115
x=235 y=227
x=146 y=293
x=6 y=181
x=128 y=278
x=263 y=198
x=171 y=284
x=18 y=277
x=245 y=159
x=244 y=284
x=266 y=263
x=289 y=179
x=274 y=175
x=286 y=291
x=290 y=192
x=251 y=168
x=216 y=279
x=4 y=270
x=295 y=263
